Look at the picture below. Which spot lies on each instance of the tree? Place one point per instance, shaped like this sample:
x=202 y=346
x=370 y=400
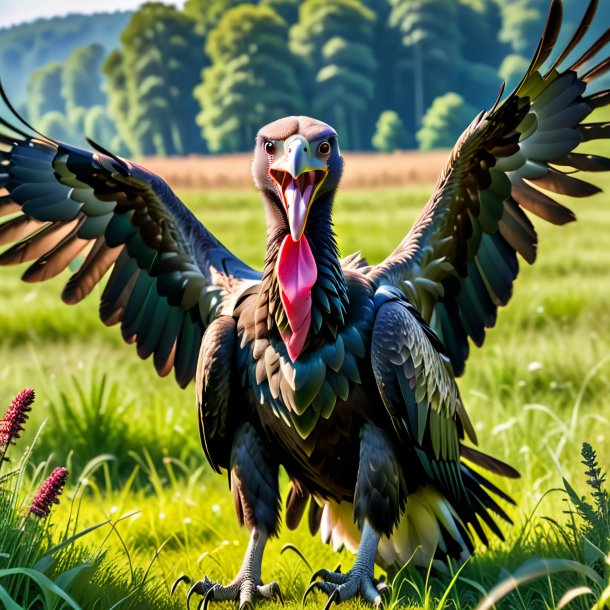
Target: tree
x=99 y=127
x=445 y=120
x=432 y=42
x=118 y=103
x=512 y=70
x=155 y=73
x=55 y=124
x=44 y=91
x=251 y=80
x=288 y=10
x=334 y=41
x=81 y=78
x=480 y=22
x=390 y=133
x=523 y=22
x=207 y=13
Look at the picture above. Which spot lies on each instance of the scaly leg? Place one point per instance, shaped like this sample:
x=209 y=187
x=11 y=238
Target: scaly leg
x=254 y=483
x=359 y=580
x=247 y=585
x=379 y=499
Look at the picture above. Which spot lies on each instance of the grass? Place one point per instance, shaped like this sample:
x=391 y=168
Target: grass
x=537 y=389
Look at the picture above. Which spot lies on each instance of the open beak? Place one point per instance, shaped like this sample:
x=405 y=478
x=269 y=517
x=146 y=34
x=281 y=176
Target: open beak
x=298 y=175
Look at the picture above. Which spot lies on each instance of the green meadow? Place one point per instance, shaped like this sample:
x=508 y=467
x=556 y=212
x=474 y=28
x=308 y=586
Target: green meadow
x=538 y=388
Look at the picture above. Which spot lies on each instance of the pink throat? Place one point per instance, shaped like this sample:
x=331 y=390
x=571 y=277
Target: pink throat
x=297 y=273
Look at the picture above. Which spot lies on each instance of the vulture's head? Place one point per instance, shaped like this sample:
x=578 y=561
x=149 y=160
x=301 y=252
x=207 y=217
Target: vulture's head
x=297 y=167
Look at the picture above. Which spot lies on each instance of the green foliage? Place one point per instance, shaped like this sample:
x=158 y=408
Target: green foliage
x=288 y=10
x=447 y=117
x=151 y=82
x=207 y=13
x=251 y=81
x=99 y=127
x=523 y=21
x=333 y=39
x=29 y=46
x=586 y=538
x=81 y=77
x=512 y=69
x=43 y=561
x=431 y=41
x=44 y=92
x=346 y=62
x=55 y=124
x=390 y=133
x=61 y=95
x=94 y=416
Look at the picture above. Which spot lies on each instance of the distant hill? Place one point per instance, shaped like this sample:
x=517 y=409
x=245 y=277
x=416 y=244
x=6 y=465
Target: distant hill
x=28 y=46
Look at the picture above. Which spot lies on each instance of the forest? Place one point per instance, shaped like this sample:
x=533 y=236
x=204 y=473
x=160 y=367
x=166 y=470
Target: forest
x=388 y=74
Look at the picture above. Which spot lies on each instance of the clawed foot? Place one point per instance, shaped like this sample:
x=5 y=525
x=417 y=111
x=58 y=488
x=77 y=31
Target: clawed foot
x=243 y=589
x=339 y=586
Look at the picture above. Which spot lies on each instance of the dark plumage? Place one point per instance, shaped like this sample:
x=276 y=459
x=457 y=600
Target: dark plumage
x=342 y=372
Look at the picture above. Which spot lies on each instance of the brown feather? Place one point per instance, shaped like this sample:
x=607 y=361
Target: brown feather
x=561 y=183
x=578 y=34
x=98 y=261
x=18 y=228
x=599 y=44
x=37 y=244
x=518 y=231
x=599 y=70
x=56 y=260
x=295 y=506
x=489 y=463
x=541 y=205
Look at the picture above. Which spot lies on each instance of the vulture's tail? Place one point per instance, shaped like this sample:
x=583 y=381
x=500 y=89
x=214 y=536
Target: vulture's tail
x=433 y=527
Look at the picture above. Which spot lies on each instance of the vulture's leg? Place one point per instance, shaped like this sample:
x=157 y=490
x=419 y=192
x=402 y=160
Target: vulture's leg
x=378 y=502
x=254 y=483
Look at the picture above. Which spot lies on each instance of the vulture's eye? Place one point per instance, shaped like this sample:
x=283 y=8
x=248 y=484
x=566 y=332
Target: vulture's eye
x=324 y=148
x=270 y=148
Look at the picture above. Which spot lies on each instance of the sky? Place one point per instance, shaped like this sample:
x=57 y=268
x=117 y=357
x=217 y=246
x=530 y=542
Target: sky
x=18 y=11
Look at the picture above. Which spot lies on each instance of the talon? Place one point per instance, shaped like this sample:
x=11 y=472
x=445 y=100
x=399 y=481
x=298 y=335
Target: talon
x=312 y=586
x=317 y=575
x=334 y=596
x=203 y=604
x=196 y=588
x=338 y=569
x=184 y=578
x=277 y=592
x=291 y=547
x=325 y=587
x=383 y=589
x=309 y=589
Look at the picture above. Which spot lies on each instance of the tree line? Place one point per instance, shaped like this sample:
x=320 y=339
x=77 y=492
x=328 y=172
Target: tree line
x=386 y=74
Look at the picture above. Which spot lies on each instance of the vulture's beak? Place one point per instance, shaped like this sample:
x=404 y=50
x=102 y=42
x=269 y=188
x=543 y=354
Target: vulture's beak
x=298 y=175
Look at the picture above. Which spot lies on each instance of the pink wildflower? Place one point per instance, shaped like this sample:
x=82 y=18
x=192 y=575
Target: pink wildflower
x=12 y=422
x=48 y=494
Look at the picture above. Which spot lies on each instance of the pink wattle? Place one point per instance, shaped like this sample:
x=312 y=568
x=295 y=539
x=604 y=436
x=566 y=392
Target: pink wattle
x=297 y=273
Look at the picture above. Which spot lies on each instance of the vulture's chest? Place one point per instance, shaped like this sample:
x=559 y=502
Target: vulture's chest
x=295 y=398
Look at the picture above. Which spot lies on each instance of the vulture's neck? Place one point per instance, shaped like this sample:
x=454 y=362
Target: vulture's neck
x=329 y=298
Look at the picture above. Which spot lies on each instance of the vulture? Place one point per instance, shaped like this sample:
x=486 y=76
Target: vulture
x=342 y=372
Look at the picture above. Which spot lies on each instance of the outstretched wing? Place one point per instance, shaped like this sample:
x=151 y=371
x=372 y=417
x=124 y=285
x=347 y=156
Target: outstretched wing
x=458 y=262
x=169 y=274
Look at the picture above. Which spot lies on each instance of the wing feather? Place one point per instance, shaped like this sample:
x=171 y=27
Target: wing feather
x=458 y=262
x=169 y=274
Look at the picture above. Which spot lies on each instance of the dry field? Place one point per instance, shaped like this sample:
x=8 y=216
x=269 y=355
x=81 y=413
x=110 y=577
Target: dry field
x=362 y=170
